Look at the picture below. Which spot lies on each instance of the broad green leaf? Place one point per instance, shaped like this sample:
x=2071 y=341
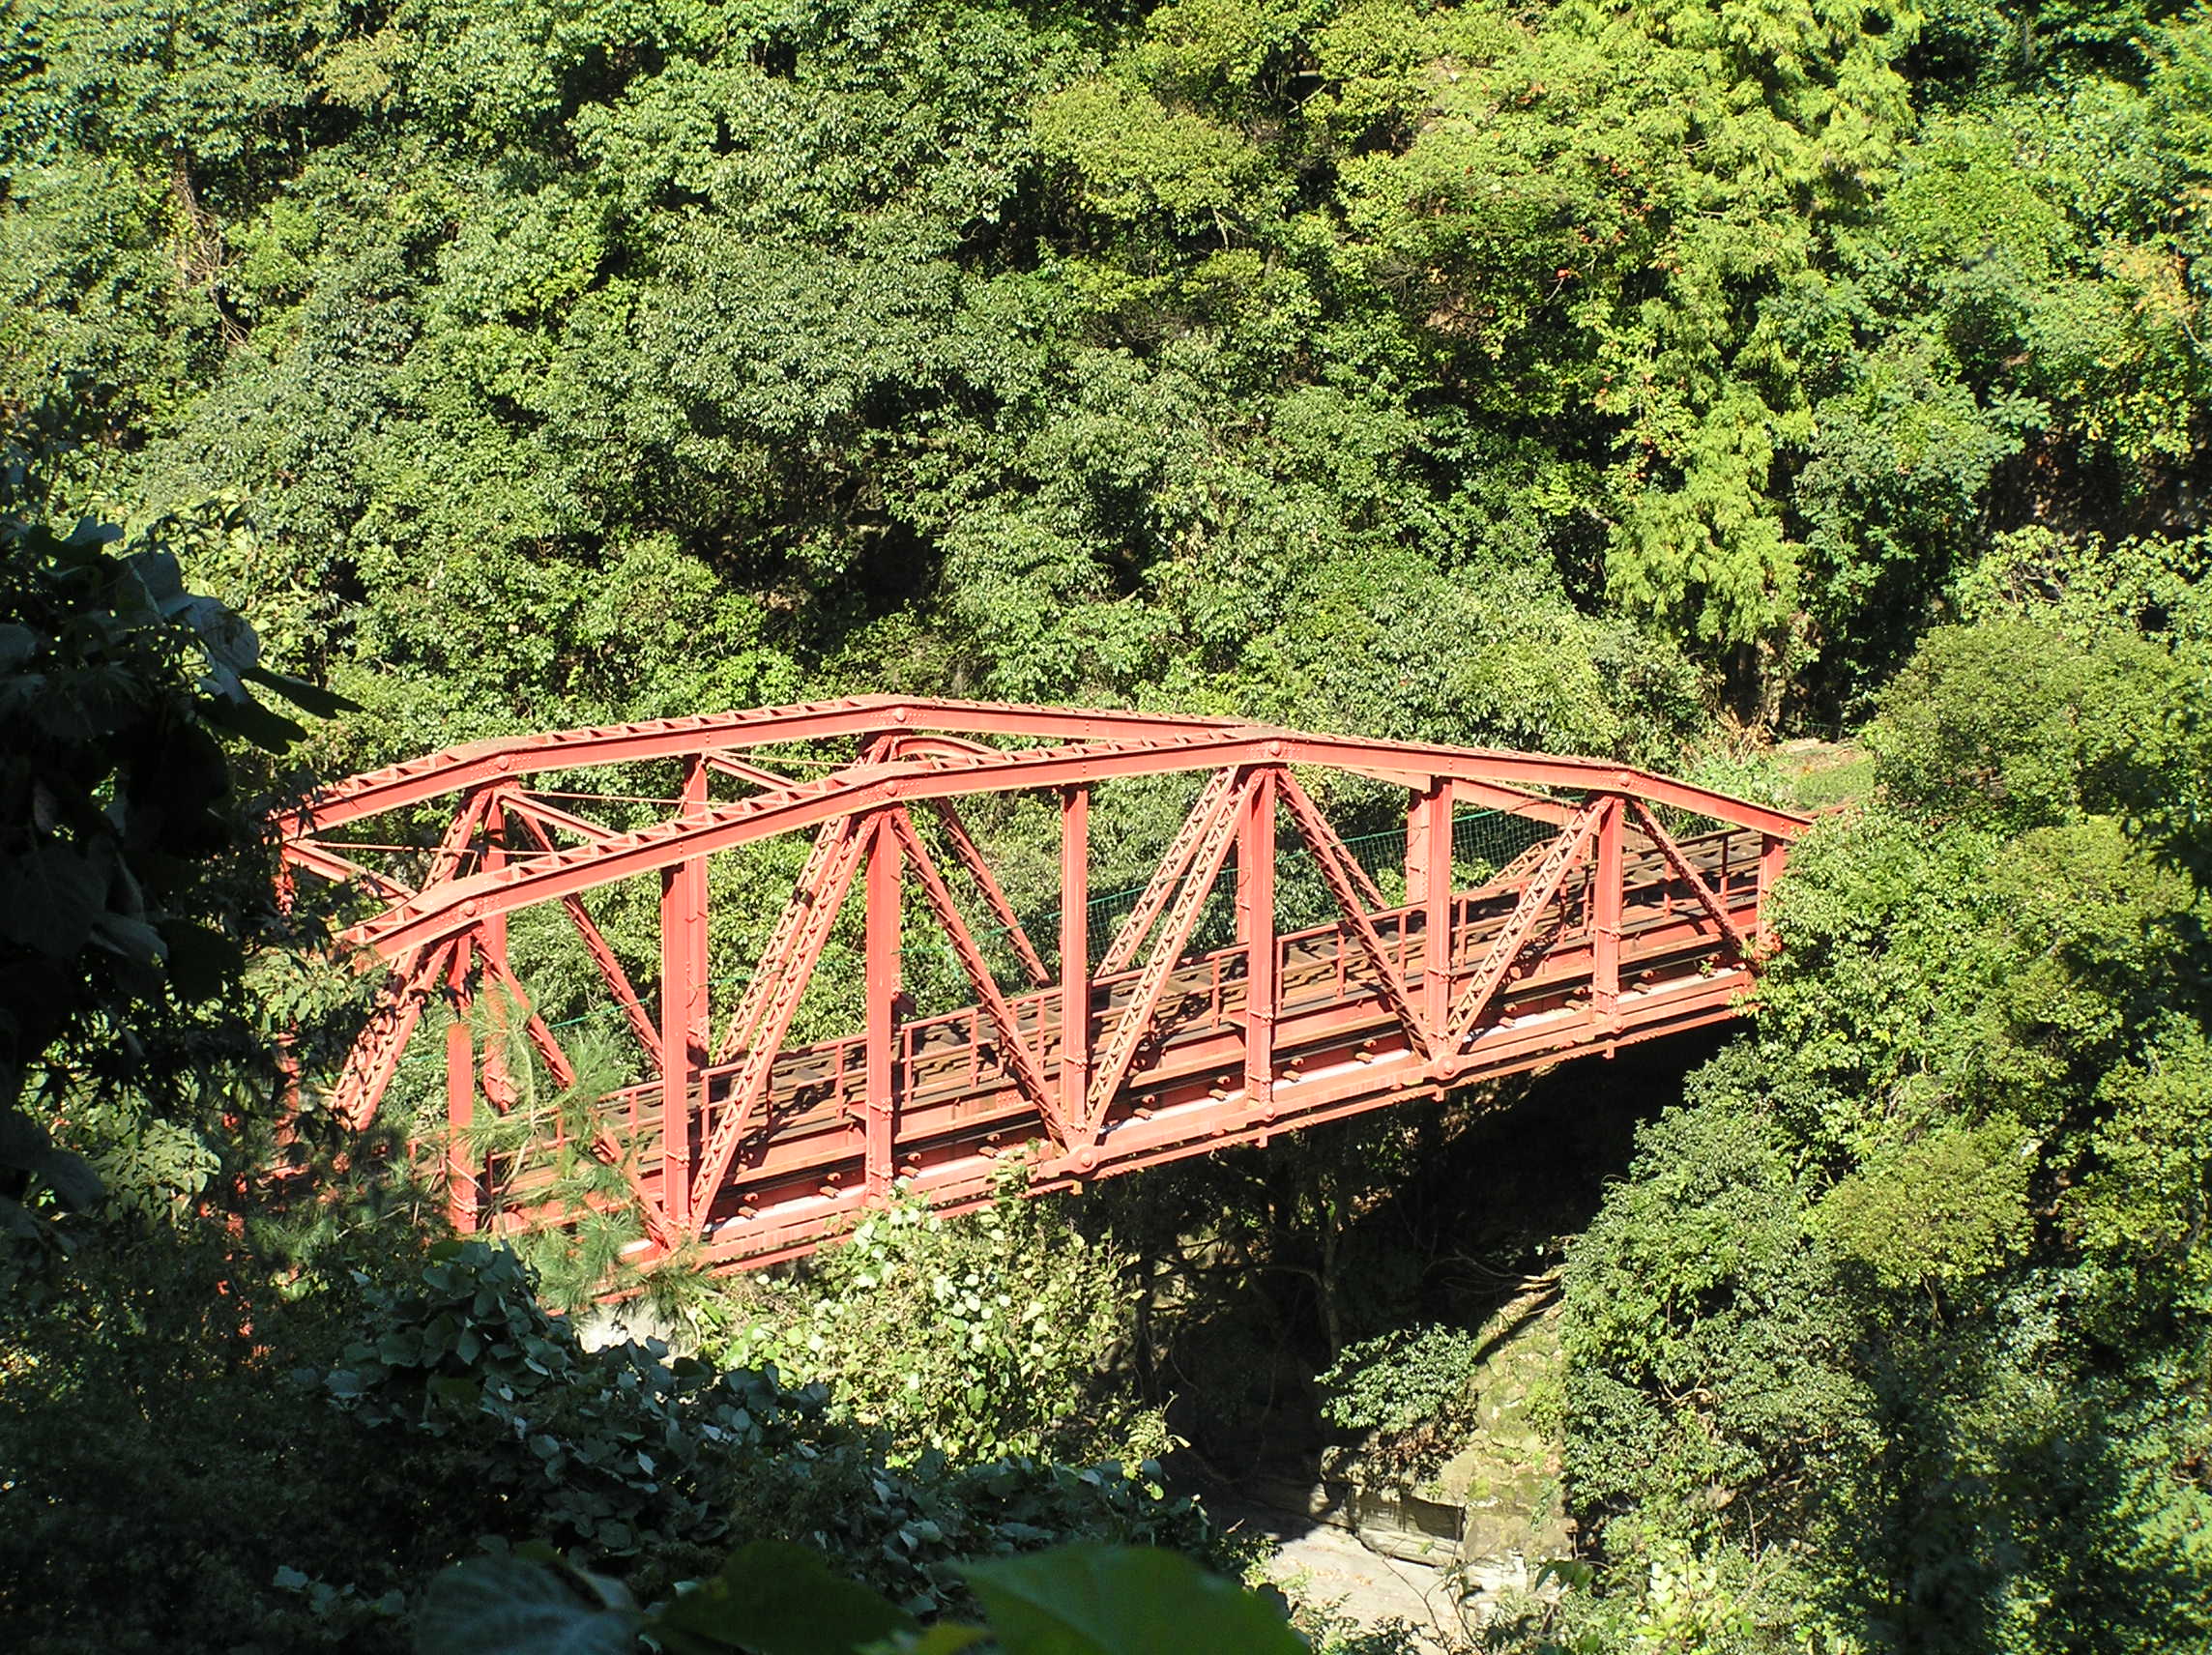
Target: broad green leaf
x=22 y=1140
x=270 y=732
x=131 y=938
x=49 y=897
x=201 y=958
x=945 y=1638
x=18 y=644
x=775 y=1598
x=1122 y=1600
x=505 y=1605
x=306 y=697
x=69 y=1176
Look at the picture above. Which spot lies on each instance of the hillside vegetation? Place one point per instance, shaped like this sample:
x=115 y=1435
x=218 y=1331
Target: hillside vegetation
x=1661 y=379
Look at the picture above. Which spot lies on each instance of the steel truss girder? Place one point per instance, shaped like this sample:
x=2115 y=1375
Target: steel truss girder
x=728 y=1101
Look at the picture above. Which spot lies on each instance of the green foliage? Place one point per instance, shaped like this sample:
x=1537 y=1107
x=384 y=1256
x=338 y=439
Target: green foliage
x=129 y=865
x=613 y=1450
x=775 y=1598
x=1531 y=377
x=2007 y=725
x=1893 y=1314
x=644 y=1461
x=1943 y=1209
x=1398 y=1378
x=975 y=1338
x=1076 y=353
x=165 y=1485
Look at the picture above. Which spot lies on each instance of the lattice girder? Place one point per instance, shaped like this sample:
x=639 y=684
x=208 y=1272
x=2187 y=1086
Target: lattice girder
x=1596 y=925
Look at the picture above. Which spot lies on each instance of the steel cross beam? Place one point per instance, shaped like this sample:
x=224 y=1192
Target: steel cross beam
x=1205 y=859
x=1689 y=875
x=786 y=982
x=1336 y=867
x=602 y=956
x=972 y=860
x=1167 y=878
x=455 y=905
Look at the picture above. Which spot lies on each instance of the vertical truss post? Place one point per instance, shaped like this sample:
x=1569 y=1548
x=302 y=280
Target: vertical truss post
x=1773 y=853
x=684 y=1008
x=491 y=948
x=886 y=867
x=1256 y=925
x=1074 y=951
x=463 y=1195
x=1604 y=921
x=1429 y=883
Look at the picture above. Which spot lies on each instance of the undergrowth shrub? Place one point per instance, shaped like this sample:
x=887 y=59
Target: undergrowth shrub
x=650 y=1465
x=999 y=1333
x=1399 y=1380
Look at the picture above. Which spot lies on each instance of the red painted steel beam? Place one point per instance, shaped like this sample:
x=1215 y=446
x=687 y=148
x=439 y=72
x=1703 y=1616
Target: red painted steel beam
x=684 y=1014
x=374 y=1058
x=880 y=1103
x=1140 y=1146
x=861 y=810
x=1604 y=915
x=455 y=905
x=1519 y=1032
x=604 y=959
x=1121 y=1048
x=463 y=1192
x=459 y=767
x=814 y=879
x=1335 y=863
x=1027 y=1072
x=454 y=768
x=1256 y=930
x=1429 y=883
x=1167 y=878
x=785 y=978
x=1536 y=897
x=1074 y=953
x=1689 y=875
x=970 y=856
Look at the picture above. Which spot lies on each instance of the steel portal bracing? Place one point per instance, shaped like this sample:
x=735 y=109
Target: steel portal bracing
x=1084 y=1055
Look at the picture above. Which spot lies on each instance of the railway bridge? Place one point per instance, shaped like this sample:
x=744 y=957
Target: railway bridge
x=873 y=950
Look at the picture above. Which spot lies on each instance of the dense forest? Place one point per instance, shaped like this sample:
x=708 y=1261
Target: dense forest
x=1811 y=399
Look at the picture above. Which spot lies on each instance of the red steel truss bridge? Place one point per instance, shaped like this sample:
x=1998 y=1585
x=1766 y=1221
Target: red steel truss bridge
x=928 y=983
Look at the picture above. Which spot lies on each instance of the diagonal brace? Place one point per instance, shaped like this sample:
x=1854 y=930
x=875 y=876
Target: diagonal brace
x=971 y=857
x=604 y=1147
x=1535 y=896
x=784 y=978
x=1121 y=953
x=1707 y=898
x=1336 y=870
x=602 y=953
x=1208 y=849
x=828 y=845
x=1029 y=1073
x=377 y=1051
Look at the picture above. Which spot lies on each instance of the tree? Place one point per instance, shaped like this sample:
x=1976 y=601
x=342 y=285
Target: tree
x=132 y=875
